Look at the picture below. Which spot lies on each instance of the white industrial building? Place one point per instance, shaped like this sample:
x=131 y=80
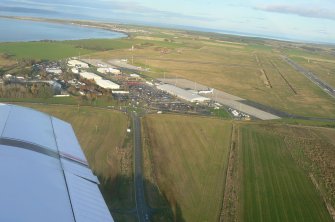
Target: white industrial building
x=149 y=83
x=182 y=93
x=8 y=76
x=134 y=75
x=106 y=84
x=235 y=113
x=90 y=76
x=77 y=63
x=120 y=92
x=75 y=70
x=56 y=71
x=101 y=65
x=109 y=70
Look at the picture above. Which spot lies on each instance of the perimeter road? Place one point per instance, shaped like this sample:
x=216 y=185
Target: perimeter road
x=142 y=209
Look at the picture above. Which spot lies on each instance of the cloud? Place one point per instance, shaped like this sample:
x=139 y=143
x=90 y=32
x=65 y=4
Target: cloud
x=305 y=11
x=26 y=10
x=137 y=8
x=107 y=7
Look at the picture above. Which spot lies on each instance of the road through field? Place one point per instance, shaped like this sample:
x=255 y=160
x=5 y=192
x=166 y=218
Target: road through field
x=141 y=205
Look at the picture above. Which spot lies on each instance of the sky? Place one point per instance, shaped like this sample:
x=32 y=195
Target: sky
x=304 y=20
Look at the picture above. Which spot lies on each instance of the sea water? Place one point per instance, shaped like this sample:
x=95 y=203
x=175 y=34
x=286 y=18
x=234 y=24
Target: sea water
x=12 y=30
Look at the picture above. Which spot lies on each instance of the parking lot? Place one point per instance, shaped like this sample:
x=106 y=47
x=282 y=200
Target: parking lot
x=155 y=100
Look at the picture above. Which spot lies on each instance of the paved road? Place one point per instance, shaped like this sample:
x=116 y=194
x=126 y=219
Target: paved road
x=143 y=211
x=311 y=76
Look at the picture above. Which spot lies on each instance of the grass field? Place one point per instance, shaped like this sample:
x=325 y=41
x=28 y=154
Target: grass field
x=190 y=157
x=221 y=113
x=41 y=50
x=274 y=187
x=102 y=136
x=4 y=62
x=313 y=148
x=280 y=172
x=101 y=44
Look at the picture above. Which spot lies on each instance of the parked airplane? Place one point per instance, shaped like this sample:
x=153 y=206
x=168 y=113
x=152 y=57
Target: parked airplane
x=209 y=91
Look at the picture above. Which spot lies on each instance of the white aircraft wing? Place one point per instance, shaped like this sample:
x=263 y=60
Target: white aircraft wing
x=44 y=173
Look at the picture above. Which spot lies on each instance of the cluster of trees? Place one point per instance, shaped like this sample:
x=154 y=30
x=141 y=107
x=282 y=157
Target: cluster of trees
x=22 y=91
x=90 y=98
x=41 y=90
x=13 y=91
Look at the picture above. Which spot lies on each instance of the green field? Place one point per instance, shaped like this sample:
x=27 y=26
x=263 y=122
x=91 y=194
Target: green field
x=190 y=157
x=221 y=113
x=313 y=148
x=274 y=187
x=41 y=50
x=5 y=61
x=186 y=160
x=101 y=44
